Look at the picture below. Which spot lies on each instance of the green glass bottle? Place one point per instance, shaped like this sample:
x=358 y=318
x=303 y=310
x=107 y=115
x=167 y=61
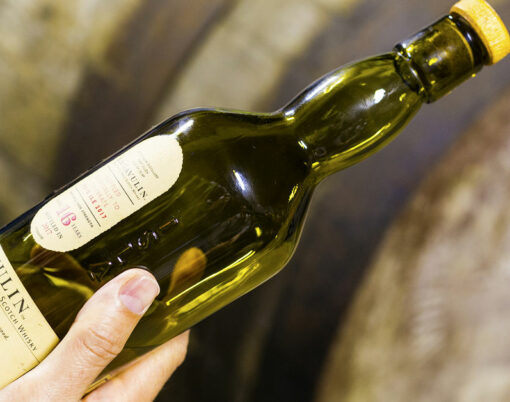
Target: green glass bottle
x=212 y=202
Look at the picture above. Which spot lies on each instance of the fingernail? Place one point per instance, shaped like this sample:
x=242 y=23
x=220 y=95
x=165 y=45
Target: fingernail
x=138 y=293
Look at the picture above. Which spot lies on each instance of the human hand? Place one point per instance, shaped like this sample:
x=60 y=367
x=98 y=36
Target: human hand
x=98 y=335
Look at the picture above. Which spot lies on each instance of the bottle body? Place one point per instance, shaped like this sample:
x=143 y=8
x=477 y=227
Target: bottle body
x=231 y=215
x=236 y=209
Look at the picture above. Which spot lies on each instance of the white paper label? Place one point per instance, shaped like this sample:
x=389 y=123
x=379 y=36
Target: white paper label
x=25 y=336
x=108 y=195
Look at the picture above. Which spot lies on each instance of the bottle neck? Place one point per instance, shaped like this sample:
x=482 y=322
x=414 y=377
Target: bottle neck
x=354 y=111
x=441 y=57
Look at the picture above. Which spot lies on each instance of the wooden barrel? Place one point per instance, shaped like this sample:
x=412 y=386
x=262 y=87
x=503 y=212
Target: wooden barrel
x=430 y=321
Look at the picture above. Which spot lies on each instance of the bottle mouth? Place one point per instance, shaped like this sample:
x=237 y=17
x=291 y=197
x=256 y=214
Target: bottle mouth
x=488 y=25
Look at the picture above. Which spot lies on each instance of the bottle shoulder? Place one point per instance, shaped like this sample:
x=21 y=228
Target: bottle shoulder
x=348 y=75
x=257 y=156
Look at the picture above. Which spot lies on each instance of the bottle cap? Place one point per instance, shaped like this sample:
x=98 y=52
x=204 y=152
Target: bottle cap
x=487 y=24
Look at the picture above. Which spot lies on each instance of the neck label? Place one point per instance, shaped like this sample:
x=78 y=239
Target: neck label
x=108 y=195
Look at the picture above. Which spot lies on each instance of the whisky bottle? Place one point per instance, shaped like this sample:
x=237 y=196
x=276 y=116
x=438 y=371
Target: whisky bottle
x=211 y=201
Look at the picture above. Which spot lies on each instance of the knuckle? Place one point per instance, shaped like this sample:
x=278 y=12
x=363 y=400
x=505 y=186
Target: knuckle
x=99 y=345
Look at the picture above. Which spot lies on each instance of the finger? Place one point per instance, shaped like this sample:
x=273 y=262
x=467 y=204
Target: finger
x=98 y=334
x=144 y=379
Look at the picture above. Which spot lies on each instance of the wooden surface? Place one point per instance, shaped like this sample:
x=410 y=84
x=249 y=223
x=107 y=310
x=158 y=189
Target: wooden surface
x=44 y=50
x=430 y=321
x=88 y=77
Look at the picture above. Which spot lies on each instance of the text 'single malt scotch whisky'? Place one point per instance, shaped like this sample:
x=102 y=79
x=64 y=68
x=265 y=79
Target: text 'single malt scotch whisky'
x=211 y=201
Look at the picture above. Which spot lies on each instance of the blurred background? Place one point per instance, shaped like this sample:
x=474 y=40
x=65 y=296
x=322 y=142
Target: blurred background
x=356 y=315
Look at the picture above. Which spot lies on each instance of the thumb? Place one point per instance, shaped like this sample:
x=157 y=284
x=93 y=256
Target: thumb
x=98 y=335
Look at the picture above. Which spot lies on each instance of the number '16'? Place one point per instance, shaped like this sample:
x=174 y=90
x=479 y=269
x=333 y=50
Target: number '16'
x=65 y=216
